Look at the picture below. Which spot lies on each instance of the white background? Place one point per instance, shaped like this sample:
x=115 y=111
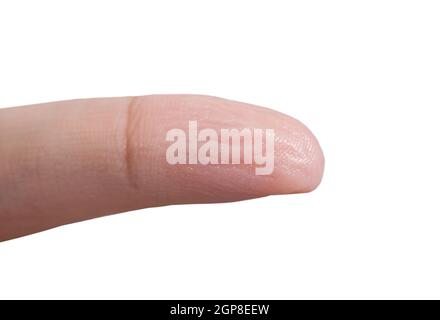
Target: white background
x=363 y=75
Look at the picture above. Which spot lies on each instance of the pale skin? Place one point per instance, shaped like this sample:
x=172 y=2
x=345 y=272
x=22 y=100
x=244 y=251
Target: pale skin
x=69 y=161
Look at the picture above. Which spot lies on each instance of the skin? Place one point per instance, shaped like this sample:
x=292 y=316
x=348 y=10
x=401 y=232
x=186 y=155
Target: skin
x=68 y=161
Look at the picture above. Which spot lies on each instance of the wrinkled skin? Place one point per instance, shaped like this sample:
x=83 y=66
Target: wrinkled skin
x=68 y=161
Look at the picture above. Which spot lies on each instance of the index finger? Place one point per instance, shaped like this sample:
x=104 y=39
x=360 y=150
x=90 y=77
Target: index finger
x=68 y=161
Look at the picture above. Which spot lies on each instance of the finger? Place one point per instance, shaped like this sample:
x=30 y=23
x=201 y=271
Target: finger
x=68 y=161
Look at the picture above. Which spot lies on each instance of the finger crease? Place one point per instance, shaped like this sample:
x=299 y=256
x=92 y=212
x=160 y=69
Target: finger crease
x=130 y=148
